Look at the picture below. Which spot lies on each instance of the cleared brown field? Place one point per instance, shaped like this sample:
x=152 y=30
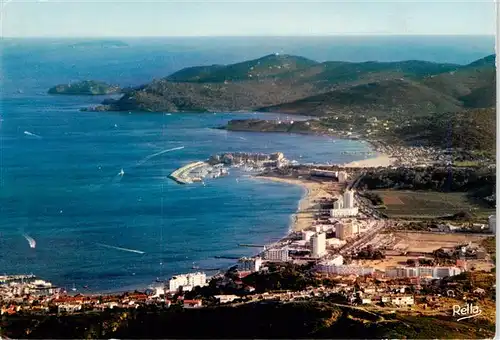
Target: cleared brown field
x=426 y=204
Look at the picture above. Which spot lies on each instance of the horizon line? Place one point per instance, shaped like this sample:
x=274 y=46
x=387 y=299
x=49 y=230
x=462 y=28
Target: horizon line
x=250 y=36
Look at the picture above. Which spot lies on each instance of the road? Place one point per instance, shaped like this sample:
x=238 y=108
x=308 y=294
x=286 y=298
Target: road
x=368 y=236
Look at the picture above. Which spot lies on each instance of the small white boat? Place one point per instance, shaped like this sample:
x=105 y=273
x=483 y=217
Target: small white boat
x=121 y=173
x=74 y=288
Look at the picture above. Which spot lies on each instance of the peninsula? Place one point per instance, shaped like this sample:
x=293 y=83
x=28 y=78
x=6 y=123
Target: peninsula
x=297 y=85
x=86 y=87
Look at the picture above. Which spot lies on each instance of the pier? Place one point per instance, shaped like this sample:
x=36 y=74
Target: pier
x=251 y=245
x=183 y=175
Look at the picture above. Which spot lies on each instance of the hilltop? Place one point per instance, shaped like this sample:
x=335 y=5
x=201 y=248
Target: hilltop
x=286 y=83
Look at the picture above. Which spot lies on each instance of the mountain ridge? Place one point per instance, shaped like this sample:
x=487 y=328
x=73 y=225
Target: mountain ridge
x=278 y=82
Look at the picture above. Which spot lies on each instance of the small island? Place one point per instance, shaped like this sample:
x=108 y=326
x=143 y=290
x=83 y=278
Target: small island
x=86 y=87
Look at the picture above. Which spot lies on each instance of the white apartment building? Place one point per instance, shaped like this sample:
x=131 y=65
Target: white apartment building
x=349 y=199
x=318 y=245
x=344 y=206
x=345 y=270
x=434 y=272
x=492 y=223
x=277 y=254
x=187 y=281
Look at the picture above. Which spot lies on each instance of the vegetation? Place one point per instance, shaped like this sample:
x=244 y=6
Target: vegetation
x=477 y=183
x=368 y=253
x=311 y=319
x=293 y=84
x=469 y=130
x=287 y=277
x=86 y=87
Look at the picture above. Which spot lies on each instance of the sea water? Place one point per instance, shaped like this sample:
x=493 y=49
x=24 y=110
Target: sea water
x=60 y=180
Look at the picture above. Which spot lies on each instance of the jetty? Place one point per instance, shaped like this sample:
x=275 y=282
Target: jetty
x=184 y=175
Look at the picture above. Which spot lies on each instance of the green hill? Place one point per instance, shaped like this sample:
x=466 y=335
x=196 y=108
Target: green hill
x=384 y=98
x=285 y=83
x=265 y=67
x=473 y=129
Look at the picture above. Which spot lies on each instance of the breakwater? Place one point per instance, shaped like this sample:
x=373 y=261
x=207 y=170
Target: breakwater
x=184 y=175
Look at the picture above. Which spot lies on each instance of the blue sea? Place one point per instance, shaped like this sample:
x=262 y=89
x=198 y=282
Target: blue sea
x=59 y=182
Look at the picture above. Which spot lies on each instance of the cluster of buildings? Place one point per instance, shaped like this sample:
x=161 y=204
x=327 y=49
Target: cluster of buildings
x=187 y=282
x=432 y=272
x=341 y=176
x=344 y=206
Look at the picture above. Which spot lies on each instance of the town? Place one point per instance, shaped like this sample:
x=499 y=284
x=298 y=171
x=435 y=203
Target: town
x=340 y=248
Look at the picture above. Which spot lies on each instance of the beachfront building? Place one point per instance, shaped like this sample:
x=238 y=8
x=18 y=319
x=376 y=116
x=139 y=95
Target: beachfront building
x=187 y=281
x=318 y=245
x=249 y=264
x=433 y=272
x=492 y=223
x=277 y=254
x=324 y=173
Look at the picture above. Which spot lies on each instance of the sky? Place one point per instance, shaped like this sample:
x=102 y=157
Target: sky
x=113 y=18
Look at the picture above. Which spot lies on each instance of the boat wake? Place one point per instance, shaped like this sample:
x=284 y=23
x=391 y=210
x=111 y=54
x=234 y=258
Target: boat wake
x=147 y=158
x=119 y=248
x=30 y=240
x=27 y=133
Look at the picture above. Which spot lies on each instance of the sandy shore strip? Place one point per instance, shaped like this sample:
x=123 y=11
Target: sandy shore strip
x=314 y=191
x=381 y=160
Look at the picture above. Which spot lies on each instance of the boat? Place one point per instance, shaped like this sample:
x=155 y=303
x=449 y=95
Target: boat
x=121 y=173
x=74 y=288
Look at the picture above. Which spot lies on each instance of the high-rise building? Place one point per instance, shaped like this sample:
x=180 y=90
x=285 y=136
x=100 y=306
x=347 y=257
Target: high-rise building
x=492 y=223
x=349 y=199
x=277 y=254
x=318 y=245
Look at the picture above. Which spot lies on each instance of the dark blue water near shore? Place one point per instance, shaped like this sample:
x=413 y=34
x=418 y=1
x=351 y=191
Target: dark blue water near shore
x=63 y=189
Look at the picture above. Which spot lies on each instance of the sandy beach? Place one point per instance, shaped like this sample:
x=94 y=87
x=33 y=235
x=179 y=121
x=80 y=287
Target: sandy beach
x=381 y=160
x=315 y=190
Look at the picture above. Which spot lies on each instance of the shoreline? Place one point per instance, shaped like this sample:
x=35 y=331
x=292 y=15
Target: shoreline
x=381 y=160
x=313 y=190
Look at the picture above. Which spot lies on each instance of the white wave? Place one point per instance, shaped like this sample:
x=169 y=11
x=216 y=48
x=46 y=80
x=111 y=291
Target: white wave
x=119 y=248
x=147 y=158
x=30 y=240
x=27 y=133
